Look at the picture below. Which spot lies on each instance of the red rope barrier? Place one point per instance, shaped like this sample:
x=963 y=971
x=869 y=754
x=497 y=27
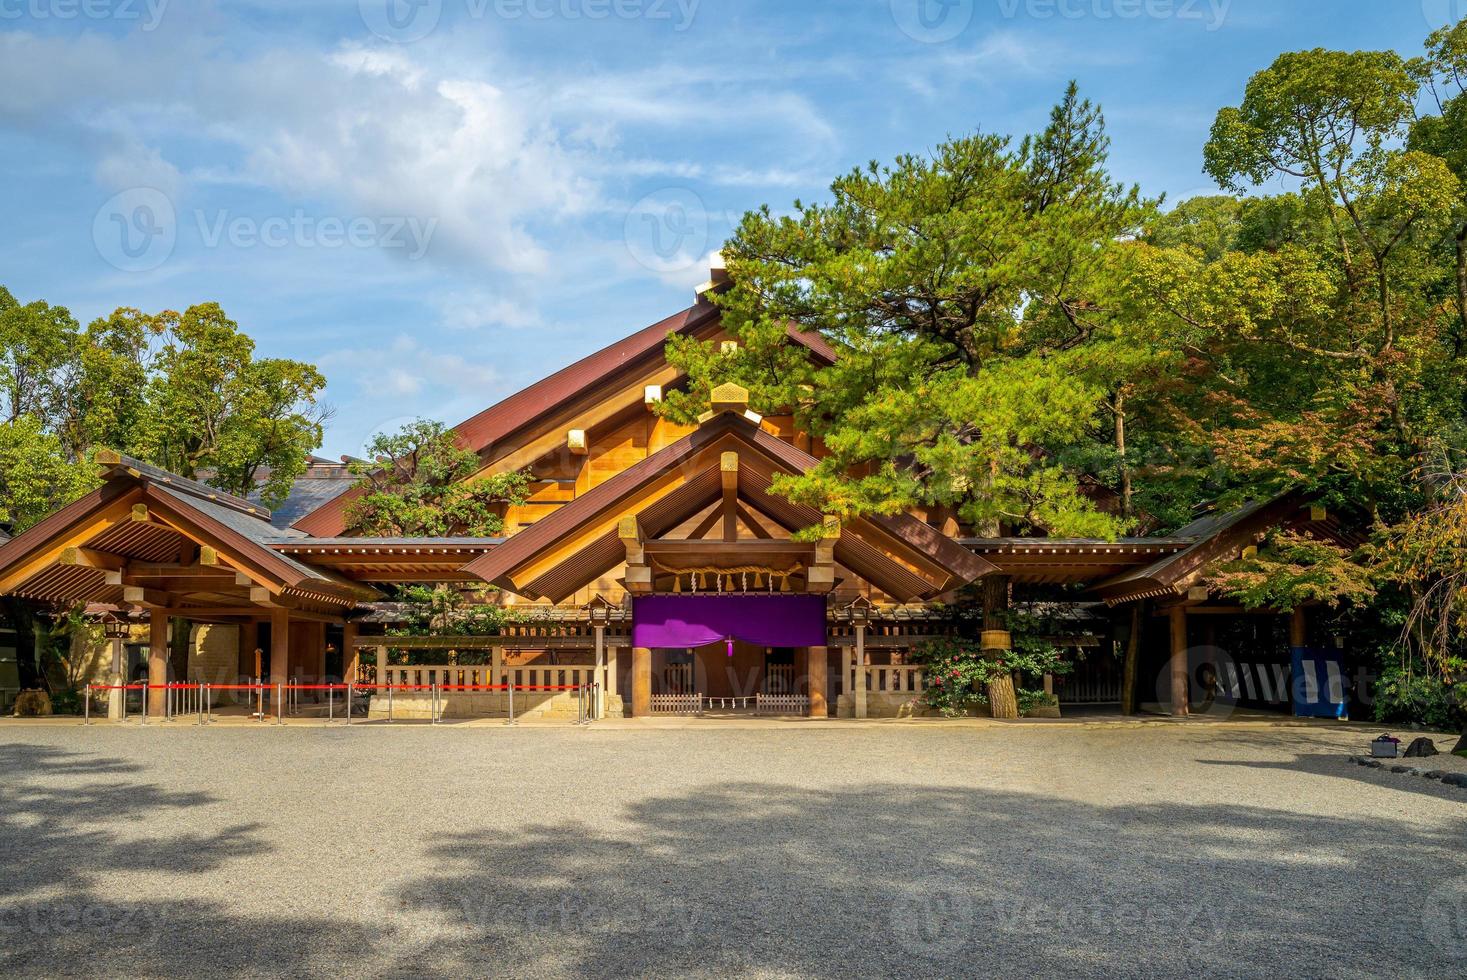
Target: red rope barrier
x=182 y=686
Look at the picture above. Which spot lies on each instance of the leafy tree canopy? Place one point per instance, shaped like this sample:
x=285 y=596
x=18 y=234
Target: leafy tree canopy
x=422 y=483
x=181 y=390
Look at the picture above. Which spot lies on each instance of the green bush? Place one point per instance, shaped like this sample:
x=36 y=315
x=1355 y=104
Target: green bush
x=1417 y=696
x=67 y=701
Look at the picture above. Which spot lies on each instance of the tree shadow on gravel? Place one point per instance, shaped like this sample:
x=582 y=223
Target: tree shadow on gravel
x=60 y=812
x=895 y=880
x=1323 y=756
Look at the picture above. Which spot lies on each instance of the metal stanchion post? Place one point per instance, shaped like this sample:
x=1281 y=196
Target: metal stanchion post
x=145 y=702
x=87 y=706
x=389 y=702
x=330 y=704
x=511 y=705
x=124 y=700
x=280 y=704
x=350 y=691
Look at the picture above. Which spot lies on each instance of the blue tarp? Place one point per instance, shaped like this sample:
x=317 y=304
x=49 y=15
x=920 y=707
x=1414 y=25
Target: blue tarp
x=1319 y=684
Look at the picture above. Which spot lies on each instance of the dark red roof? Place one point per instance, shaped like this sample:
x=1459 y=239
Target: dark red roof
x=584 y=377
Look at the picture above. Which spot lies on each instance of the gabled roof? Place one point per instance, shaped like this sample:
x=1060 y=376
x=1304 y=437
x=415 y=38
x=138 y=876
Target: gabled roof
x=1212 y=538
x=591 y=377
x=145 y=514
x=675 y=482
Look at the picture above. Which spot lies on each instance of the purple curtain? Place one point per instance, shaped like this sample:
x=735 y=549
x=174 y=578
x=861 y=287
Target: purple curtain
x=676 y=621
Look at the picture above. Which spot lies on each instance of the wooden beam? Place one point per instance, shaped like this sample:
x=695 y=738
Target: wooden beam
x=138 y=596
x=264 y=597
x=141 y=569
x=88 y=558
x=752 y=523
x=182 y=583
x=820 y=576
x=728 y=465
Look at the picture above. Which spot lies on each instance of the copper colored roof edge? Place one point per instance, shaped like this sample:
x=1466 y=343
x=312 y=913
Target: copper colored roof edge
x=525 y=405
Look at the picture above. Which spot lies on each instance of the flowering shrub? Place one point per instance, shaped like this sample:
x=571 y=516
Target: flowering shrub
x=956 y=673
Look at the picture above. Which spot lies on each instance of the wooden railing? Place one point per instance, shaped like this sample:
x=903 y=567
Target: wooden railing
x=420 y=675
x=779 y=679
x=891 y=679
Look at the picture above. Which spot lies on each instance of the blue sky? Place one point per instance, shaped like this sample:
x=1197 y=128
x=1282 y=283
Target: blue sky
x=439 y=201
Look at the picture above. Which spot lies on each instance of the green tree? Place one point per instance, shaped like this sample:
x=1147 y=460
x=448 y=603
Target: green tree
x=422 y=483
x=36 y=477
x=949 y=285
x=183 y=391
x=212 y=407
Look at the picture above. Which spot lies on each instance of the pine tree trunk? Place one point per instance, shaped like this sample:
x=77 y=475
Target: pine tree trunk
x=1003 y=700
x=1118 y=407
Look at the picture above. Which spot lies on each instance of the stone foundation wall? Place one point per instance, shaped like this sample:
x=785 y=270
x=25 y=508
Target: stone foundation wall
x=213 y=658
x=880 y=704
x=545 y=705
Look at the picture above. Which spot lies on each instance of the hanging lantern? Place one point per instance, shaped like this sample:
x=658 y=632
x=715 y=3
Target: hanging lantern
x=115 y=628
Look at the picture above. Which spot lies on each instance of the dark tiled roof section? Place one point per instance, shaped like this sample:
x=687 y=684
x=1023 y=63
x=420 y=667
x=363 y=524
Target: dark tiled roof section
x=263 y=534
x=306 y=495
x=183 y=486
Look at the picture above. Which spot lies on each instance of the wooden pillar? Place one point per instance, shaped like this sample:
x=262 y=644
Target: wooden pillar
x=114 y=697
x=641 y=682
x=351 y=657
x=157 y=660
x=382 y=677
x=861 y=679
x=613 y=672
x=599 y=709
x=279 y=654
x=1133 y=658
x=1298 y=628
x=1178 y=617
x=818 y=672
x=848 y=680
x=249 y=642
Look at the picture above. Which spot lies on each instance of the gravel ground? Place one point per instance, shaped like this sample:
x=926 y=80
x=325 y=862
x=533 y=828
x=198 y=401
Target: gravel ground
x=1113 y=849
